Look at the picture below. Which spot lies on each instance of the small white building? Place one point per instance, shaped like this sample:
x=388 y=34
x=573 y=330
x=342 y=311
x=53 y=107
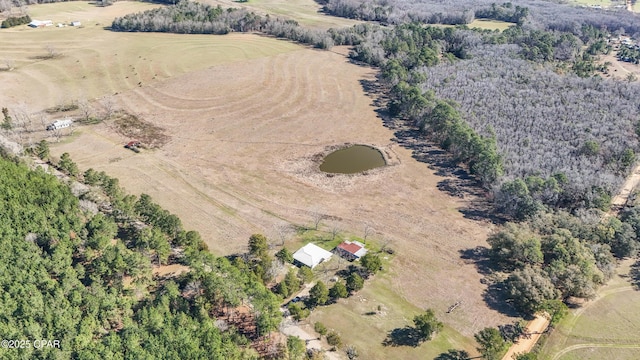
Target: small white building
x=76 y=23
x=40 y=23
x=311 y=255
x=60 y=124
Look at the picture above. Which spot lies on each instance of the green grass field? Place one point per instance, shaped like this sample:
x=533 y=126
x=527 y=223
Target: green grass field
x=605 y=328
x=362 y=325
x=596 y=353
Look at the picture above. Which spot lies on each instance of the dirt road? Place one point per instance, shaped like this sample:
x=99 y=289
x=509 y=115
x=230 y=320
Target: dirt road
x=627 y=188
x=536 y=327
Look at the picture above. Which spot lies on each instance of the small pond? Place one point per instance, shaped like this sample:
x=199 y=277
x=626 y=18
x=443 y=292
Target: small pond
x=353 y=159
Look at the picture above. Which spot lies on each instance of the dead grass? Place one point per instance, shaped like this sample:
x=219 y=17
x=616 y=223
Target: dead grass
x=620 y=69
x=246 y=115
x=132 y=127
x=95 y=62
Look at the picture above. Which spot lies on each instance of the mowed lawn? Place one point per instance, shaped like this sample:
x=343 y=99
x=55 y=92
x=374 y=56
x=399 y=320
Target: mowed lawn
x=365 y=319
x=92 y=62
x=606 y=328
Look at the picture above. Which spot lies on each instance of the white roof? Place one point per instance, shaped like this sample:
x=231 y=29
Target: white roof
x=63 y=122
x=40 y=22
x=311 y=255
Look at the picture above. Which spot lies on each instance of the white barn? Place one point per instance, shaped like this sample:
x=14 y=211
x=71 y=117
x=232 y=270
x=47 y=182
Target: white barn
x=59 y=124
x=311 y=255
x=40 y=23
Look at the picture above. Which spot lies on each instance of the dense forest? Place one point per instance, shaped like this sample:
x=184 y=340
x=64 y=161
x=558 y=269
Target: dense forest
x=77 y=267
x=528 y=112
x=537 y=14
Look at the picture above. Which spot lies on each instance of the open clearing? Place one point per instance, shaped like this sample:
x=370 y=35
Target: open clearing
x=245 y=116
x=93 y=62
x=490 y=24
x=605 y=328
x=306 y=12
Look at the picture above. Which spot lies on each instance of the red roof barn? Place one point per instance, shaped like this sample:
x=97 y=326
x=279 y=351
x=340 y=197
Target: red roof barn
x=351 y=250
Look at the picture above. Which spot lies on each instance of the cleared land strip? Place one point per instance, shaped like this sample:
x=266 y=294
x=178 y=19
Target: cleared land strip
x=627 y=188
x=594 y=345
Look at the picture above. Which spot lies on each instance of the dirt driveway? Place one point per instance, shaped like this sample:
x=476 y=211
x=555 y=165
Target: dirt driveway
x=535 y=328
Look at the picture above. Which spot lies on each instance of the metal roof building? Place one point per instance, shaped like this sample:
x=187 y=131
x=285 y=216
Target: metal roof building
x=311 y=255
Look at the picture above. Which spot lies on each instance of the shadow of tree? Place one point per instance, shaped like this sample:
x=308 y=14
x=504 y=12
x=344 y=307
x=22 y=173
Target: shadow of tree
x=458 y=182
x=406 y=336
x=634 y=274
x=452 y=354
x=479 y=256
x=495 y=297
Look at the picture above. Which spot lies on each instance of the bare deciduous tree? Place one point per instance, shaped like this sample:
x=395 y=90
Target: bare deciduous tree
x=85 y=109
x=282 y=232
x=109 y=107
x=316 y=215
x=52 y=52
x=368 y=230
x=10 y=64
x=335 y=231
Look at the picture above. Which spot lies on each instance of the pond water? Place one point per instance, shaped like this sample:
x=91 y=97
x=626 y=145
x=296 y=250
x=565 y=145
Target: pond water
x=353 y=159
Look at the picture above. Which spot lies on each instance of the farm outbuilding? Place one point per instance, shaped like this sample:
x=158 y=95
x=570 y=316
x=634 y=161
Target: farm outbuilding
x=351 y=250
x=40 y=23
x=59 y=124
x=311 y=255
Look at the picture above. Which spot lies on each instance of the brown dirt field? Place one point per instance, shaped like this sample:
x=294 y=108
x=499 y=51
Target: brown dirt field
x=239 y=161
x=245 y=115
x=620 y=69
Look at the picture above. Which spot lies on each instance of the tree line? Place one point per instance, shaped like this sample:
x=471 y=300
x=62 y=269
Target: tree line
x=630 y=54
x=542 y=113
x=15 y=21
x=187 y=17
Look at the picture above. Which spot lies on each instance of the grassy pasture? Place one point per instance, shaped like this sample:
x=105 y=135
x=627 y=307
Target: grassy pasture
x=605 y=328
x=599 y=353
x=615 y=318
x=362 y=325
x=92 y=62
x=306 y=12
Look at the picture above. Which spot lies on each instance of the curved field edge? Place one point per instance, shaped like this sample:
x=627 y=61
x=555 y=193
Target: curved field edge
x=609 y=321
